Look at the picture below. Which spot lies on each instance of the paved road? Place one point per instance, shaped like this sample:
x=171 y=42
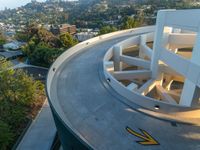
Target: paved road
x=97 y=112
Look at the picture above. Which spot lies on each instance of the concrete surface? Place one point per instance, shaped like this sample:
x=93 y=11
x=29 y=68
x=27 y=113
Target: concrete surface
x=41 y=133
x=98 y=113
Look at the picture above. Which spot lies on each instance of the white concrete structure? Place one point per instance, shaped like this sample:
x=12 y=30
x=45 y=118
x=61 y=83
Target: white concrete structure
x=177 y=37
x=99 y=87
x=83 y=36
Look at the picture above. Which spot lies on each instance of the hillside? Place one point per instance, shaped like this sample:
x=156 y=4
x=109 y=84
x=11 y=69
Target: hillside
x=87 y=13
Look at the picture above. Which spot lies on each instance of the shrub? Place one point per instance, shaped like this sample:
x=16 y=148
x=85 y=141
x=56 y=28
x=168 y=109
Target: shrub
x=19 y=93
x=6 y=135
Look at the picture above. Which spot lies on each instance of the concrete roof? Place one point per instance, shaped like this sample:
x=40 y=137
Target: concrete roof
x=9 y=54
x=99 y=114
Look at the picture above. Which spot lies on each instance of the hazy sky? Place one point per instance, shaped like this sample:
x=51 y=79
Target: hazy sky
x=14 y=3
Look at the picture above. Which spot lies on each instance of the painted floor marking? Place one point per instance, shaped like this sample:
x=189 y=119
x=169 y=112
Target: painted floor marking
x=147 y=139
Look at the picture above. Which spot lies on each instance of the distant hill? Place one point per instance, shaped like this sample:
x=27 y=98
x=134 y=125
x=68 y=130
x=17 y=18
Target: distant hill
x=86 y=13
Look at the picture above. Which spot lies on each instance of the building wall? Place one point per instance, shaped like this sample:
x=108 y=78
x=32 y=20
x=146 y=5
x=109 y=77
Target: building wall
x=71 y=29
x=68 y=139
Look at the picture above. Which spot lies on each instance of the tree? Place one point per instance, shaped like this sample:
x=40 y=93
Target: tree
x=42 y=47
x=22 y=36
x=2 y=39
x=19 y=93
x=44 y=56
x=67 y=40
x=129 y=23
x=39 y=34
x=43 y=50
x=6 y=135
x=107 y=29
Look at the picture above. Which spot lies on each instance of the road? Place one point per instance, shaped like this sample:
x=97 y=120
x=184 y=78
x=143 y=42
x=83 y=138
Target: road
x=98 y=113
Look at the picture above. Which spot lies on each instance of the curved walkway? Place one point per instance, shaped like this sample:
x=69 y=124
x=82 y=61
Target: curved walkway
x=98 y=113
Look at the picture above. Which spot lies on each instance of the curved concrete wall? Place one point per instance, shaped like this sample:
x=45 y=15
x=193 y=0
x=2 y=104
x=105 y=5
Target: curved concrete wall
x=135 y=97
x=65 y=129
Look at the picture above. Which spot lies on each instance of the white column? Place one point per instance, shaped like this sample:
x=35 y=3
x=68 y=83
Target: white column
x=190 y=94
x=142 y=42
x=117 y=52
x=172 y=48
x=157 y=43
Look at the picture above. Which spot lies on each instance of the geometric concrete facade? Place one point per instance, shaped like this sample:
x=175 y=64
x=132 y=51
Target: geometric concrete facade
x=183 y=20
x=172 y=61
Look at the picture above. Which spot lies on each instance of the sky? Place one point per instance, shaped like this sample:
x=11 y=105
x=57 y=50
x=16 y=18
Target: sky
x=14 y=3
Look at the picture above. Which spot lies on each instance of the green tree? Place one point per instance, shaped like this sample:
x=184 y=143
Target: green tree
x=6 y=136
x=107 y=29
x=67 y=40
x=129 y=23
x=42 y=47
x=22 y=36
x=37 y=35
x=18 y=94
x=44 y=56
x=2 y=39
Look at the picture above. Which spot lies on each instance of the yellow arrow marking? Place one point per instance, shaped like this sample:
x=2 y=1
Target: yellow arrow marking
x=147 y=138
